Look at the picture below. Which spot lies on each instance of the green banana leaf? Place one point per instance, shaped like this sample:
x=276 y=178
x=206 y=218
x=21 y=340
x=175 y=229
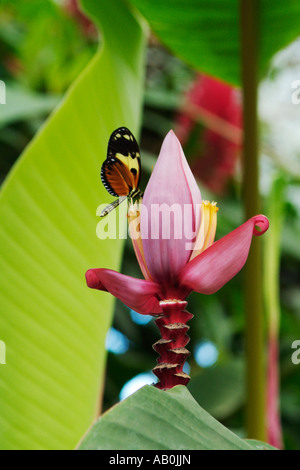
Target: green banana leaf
x=52 y=325
x=207 y=34
x=153 y=419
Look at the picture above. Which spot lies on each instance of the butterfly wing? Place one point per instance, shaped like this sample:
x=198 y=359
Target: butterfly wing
x=121 y=171
x=116 y=178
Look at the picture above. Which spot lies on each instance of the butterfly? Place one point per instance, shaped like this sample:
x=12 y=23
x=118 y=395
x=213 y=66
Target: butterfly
x=121 y=171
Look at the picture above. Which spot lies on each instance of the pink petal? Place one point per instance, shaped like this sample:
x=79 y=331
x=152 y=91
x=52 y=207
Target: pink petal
x=167 y=236
x=214 y=267
x=137 y=294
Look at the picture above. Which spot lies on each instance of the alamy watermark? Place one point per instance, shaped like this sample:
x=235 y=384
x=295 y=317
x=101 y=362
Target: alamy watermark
x=161 y=221
x=2 y=92
x=296 y=354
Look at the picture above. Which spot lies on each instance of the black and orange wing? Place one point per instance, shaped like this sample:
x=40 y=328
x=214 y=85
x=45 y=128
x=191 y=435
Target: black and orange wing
x=121 y=171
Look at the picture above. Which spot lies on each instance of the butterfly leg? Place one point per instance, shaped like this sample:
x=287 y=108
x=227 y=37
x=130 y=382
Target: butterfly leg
x=112 y=206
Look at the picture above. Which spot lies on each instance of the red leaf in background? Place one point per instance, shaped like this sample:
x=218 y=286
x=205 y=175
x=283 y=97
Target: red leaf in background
x=217 y=106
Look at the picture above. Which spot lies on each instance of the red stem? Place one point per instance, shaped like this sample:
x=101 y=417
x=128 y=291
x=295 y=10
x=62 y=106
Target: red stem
x=171 y=346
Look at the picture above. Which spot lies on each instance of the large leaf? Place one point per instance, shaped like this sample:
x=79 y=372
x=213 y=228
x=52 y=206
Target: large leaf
x=53 y=326
x=207 y=34
x=153 y=419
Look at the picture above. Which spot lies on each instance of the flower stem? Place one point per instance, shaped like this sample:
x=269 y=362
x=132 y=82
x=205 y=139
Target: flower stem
x=255 y=379
x=171 y=346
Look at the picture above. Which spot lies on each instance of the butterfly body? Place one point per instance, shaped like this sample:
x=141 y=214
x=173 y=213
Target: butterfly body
x=121 y=171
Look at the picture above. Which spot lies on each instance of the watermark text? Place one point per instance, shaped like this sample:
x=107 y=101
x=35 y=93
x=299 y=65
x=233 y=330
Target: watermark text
x=296 y=94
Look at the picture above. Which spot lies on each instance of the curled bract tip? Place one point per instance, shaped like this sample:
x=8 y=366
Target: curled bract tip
x=261 y=225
